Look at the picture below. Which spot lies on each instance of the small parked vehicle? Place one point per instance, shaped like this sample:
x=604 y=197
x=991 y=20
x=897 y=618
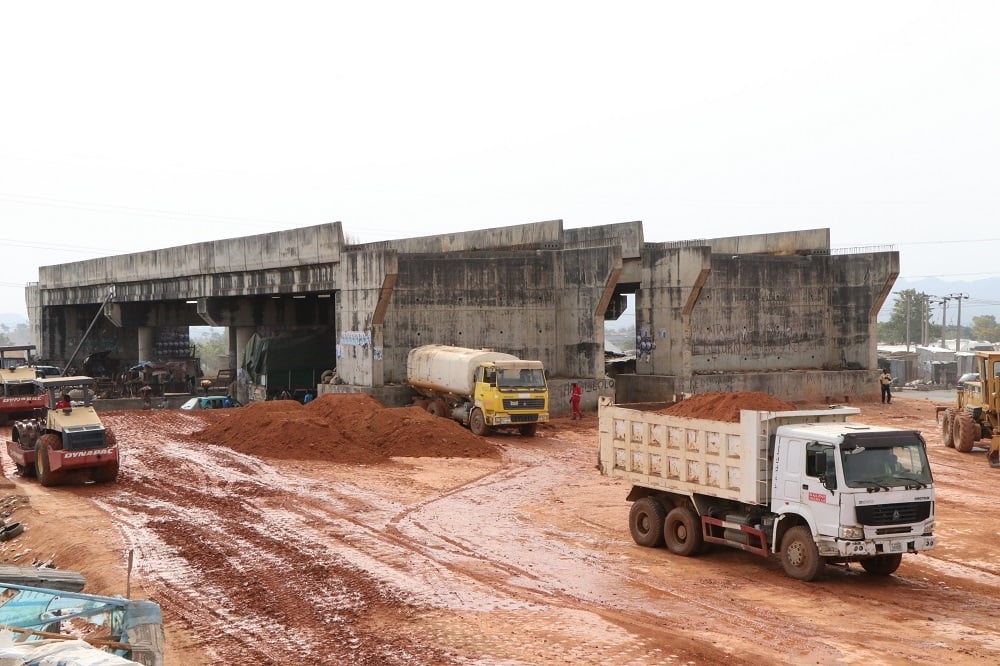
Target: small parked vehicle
x=967 y=377
x=210 y=402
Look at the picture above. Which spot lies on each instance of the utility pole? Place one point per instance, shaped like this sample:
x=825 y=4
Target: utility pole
x=925 y=300
x=925 y=317
x=958 y=325
x=944 y=318
x=909 y=304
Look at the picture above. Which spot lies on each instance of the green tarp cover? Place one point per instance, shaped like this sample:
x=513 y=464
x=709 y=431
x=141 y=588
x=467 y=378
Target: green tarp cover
x=301 y=354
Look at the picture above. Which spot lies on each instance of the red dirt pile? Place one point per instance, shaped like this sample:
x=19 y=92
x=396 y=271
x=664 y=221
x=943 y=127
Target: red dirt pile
x=721 y=406
x=342 y=427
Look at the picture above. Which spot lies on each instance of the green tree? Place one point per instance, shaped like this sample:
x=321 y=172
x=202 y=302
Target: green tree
x=211 y=348
x=913 y=306
x=21 y=335
x=5 y=336
x=985 y=327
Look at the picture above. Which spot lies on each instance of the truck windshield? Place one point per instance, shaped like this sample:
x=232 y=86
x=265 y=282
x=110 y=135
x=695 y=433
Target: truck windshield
x=520 y=378
x=885 y=464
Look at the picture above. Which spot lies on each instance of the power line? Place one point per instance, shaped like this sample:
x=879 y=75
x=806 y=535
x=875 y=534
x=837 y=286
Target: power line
x=12 y=242
x=89 y=206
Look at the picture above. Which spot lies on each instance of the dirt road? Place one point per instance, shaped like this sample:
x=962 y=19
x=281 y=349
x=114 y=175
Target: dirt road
x=521 y=558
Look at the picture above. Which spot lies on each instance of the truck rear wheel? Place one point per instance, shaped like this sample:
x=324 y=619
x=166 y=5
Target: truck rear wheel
x=645 y=522
x=882 y=565
x=948 y=428
x=799 y=554
x=966 y=432
x=437 y=408
x=477 y=423
x=46 y=443
x=682 y=532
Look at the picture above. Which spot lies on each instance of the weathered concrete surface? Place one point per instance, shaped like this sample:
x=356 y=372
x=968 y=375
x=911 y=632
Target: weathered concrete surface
x=707 y=319
x=152 y=288
x=231 y=266
x=752 y=311
x=812 y=386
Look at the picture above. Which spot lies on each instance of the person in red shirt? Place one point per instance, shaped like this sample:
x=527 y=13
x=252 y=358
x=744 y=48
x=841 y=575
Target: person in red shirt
x=64 y=402
x=575 y=396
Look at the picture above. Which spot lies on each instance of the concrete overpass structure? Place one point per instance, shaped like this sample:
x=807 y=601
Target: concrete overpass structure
x=770 y=312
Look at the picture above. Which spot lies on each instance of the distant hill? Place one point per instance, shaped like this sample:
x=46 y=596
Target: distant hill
x=12 y=319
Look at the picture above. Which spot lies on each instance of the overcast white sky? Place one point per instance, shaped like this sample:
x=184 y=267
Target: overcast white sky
x=128 y=126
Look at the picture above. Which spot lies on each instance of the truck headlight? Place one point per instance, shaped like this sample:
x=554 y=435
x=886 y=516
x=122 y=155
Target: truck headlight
x=929 y=527
x=852 y=532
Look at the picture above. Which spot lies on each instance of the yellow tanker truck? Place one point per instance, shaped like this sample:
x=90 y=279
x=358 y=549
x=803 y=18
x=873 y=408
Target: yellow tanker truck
x=480 y=388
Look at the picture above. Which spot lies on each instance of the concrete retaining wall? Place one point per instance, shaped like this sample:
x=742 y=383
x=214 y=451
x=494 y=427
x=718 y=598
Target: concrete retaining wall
x=834 y=387
x=758 y=313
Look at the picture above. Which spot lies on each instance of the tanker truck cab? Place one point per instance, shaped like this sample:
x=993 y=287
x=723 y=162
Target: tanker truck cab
x=510 y=393
x=865 y=493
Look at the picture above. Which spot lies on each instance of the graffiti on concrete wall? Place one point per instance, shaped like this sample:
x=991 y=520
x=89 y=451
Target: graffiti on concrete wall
x=354 y=356
x=645 y=344
x=722 y=339
x=356 y=338
x=590 y=386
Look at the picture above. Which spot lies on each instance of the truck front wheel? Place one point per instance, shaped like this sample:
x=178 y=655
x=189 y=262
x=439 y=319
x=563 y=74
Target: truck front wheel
x=477 y=423
x=882 y=565
x=799 y=554
x=645 y=522
x=682 y=532
x=46 y=443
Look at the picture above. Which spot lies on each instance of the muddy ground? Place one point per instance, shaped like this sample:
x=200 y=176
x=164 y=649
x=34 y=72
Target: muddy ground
x=266 y=546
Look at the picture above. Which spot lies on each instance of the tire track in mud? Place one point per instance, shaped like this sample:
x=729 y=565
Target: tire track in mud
x=629 y=610
x=282 y=561
x=244 y=583
x=417 y=560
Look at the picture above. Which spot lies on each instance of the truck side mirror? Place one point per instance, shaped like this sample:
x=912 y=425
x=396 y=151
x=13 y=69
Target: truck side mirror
x=828 y=471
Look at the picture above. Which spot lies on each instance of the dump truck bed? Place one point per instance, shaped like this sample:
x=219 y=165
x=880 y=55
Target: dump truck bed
x=698 y=456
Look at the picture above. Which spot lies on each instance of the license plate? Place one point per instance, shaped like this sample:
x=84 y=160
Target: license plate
x=896 y=547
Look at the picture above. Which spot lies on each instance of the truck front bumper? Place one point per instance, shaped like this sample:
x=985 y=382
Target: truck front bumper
x=503 y=419
x=869 y=547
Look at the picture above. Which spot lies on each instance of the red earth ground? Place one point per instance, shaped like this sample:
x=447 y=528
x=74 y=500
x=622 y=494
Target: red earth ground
x=342 y=532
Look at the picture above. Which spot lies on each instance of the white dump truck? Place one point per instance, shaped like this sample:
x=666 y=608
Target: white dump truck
x=809 y=486
x=480 y=388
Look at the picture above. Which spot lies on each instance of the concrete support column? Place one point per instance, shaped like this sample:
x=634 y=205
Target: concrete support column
x=145 y=336
x=243 y=335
